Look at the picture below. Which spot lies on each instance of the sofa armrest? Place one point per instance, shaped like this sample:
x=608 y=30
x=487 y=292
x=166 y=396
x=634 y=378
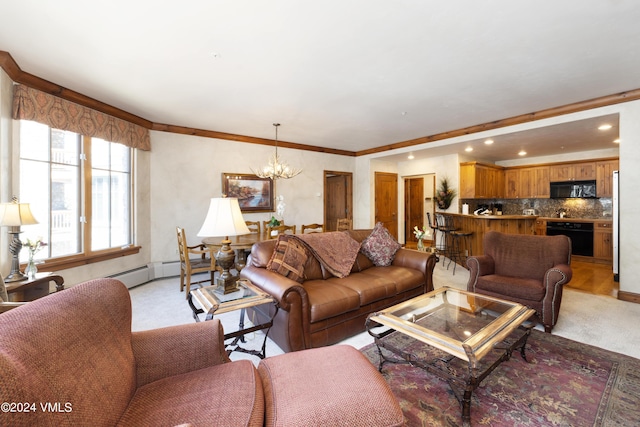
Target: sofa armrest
x=416 y=260
x=283 y=289
x=174 y=350
x=558 y=275
x=479 y=265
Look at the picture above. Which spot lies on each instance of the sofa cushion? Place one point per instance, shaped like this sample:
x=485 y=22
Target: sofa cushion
x=327 y=298
x=404 y=279
x=288 y=259
x=223 y=395
x=380 y=247
x=516 y=287
x=369 y=288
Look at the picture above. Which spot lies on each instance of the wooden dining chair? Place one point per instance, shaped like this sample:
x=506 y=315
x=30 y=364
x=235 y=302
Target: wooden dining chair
x=203 y=261
x=253 y=226
x=344 y=224
x=313 y=228
x=282 y=229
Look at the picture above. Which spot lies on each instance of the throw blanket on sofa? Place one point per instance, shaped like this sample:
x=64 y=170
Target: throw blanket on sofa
x=336 y=250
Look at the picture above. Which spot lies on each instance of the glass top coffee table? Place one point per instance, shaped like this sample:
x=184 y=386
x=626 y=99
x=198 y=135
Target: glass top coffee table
x=458 y=335
x=211 y=301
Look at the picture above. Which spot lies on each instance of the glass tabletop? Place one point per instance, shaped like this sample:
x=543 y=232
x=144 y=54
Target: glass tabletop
x=247 y=295
x=461 y=323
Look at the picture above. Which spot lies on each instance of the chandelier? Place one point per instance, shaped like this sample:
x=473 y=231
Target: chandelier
x=277 y=168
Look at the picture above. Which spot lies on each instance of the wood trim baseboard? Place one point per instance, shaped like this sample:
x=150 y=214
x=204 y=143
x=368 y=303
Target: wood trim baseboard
x=629 y=297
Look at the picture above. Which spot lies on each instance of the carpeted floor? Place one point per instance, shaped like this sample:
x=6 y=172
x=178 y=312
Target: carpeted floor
x=564 y=383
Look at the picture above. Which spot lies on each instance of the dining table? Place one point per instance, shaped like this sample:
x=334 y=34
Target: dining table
x=240 y=244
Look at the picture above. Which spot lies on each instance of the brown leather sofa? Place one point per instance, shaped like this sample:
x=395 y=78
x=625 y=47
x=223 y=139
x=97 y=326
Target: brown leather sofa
x=323 y=309
x=70 y=359
x=530 y=270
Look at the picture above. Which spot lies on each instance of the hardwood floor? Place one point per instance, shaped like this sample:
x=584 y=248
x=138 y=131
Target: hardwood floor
x=587 y=277
x=593 y=278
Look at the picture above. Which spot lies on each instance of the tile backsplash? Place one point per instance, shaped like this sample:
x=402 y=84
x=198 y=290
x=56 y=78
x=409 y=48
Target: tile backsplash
x=574 y=208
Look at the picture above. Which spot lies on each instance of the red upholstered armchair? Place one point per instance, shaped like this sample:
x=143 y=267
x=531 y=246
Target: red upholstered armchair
x=70 y=359
x=527 y=269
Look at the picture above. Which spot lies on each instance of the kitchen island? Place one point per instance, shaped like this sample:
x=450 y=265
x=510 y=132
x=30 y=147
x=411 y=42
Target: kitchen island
x=480 y=224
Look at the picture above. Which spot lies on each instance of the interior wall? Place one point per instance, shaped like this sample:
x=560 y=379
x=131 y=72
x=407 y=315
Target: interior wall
x=186 y=172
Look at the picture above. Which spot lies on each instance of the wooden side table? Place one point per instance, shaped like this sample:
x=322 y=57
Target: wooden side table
x=32 y=289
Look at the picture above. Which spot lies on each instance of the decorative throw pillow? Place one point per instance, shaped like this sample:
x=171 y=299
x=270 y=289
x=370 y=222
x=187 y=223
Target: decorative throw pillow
x=380 y=247
x=288 y=258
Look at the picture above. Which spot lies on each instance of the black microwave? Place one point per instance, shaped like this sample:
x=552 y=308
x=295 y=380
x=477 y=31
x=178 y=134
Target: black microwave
x=573 y=189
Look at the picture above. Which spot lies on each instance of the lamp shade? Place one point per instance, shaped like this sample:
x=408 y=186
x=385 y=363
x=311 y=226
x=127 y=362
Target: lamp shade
x=16 y=214
x=223 y=219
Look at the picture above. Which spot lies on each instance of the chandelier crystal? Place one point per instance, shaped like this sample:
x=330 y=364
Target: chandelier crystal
x=277 y=169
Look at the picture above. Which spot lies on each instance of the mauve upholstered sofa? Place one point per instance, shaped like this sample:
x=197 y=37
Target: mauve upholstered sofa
x=324 y=309
x=70 y=359
x=530 y=270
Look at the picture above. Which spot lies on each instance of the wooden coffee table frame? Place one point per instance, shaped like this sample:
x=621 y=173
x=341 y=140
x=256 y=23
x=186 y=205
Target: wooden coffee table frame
x=507 y=332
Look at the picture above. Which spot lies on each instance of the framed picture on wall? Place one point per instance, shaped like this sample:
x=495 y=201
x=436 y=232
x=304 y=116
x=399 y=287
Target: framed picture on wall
x=254 y=194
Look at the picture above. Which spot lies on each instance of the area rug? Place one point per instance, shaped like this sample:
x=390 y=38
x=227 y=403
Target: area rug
x=564 y=383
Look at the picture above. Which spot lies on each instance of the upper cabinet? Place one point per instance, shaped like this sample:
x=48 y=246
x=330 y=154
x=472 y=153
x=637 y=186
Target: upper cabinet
x=486 y=181
x=572 y=172
x=604 y=177
x=481 y=181
x=521 y=183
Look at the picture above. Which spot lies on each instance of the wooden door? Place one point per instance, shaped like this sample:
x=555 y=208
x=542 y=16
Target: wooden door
x=386 y=201
x=337 y=198
x=413 y=207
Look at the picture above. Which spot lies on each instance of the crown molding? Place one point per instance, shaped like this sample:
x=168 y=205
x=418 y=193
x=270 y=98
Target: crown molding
x=9 y=65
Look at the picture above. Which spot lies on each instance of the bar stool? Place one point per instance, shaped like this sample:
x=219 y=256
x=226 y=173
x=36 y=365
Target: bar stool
x=460 y=248
x=434 y=230
x=446 y=227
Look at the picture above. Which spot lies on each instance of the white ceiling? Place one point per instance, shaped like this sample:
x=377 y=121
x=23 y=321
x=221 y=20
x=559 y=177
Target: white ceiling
x=350 y=75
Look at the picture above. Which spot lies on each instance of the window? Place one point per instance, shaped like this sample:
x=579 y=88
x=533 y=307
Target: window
x=79 y=189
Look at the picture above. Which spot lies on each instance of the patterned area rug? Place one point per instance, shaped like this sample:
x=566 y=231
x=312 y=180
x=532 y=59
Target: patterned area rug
x=565 y=383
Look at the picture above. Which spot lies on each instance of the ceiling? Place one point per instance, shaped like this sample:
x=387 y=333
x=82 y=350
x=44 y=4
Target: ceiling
x=350 y=75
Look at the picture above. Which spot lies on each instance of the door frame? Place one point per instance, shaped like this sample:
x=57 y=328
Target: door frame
x=348 y=193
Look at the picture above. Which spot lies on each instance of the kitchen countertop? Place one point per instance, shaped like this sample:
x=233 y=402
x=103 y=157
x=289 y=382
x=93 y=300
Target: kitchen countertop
x=495 y=216
x=548 y=219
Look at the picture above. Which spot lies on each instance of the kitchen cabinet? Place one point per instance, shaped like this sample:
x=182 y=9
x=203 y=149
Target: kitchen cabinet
x=603 y=240
x=540 y=227
x=523 y=183
x=604 y=177
x=481 y=181
x=572 y=172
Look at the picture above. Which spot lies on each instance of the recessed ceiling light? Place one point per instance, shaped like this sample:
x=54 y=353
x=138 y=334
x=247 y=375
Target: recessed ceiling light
x=488 y=141
x=410 y=156
x=605 y=127
x=468 y=149
x=522 y=153
x=617 y=141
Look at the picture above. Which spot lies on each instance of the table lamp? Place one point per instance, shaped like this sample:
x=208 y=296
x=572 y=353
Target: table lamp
x=224 y=219
x=13 y=215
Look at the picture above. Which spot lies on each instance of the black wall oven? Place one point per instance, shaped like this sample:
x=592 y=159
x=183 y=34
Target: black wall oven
x=580 y=233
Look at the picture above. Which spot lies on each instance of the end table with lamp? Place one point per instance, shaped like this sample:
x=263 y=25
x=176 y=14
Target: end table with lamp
x=224 y=218
x=14 y=215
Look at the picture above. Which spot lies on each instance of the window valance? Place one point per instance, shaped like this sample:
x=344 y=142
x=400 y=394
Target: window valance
x=58 y=113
